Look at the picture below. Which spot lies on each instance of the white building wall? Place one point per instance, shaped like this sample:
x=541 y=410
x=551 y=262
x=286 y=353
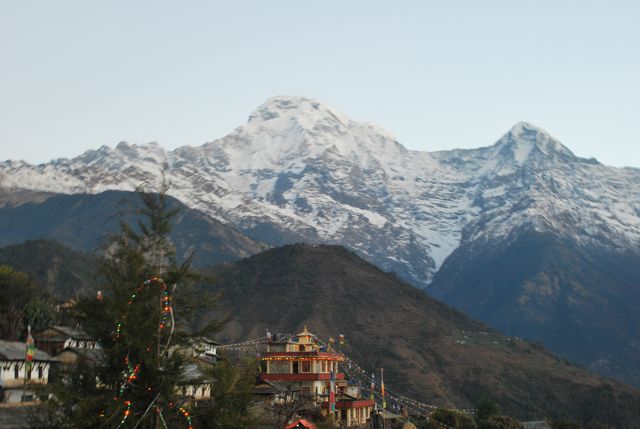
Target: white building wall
x=14 y=387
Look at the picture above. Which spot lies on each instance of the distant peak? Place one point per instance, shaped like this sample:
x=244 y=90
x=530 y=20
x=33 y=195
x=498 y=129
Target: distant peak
x=524 y=139
x=283 y=105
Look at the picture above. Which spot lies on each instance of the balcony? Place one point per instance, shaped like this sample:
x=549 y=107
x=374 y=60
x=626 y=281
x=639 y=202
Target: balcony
x=301 y=377
x=314 y=355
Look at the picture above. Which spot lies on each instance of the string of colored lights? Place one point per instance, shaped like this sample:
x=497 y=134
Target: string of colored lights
x=166 y=312
x=159 y=412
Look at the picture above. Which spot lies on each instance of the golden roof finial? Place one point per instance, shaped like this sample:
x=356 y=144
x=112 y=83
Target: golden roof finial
x=304 y=333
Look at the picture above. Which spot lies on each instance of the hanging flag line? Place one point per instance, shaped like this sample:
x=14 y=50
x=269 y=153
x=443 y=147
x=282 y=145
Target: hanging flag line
x=391 y=393
x=353 y=369
x=411 y=405
x=244 y=344
x=397 y=397
x=377 y=396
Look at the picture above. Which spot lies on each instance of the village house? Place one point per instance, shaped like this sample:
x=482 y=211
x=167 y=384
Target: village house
x=55 y=339
x=304 y=363
x=16 y=380
x=69 y=345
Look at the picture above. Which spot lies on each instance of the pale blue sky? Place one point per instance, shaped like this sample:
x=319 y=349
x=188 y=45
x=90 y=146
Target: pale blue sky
x=75 y=75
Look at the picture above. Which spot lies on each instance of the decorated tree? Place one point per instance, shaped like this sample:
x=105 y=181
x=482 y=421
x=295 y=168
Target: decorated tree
x=142 y=317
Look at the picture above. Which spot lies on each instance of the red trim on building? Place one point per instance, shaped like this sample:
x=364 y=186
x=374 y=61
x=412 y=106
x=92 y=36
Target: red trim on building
x=303 y=355
x=300 y=377
x=351 y=404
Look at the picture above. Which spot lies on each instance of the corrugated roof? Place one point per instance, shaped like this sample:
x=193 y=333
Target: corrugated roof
x=16 y=350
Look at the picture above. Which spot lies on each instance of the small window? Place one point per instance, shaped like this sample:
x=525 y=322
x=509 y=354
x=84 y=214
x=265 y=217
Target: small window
x=29 y=375
x=40 y=373
x=306 y=366
x=16 y=371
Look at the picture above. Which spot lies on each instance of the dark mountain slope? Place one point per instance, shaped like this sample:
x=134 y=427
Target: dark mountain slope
x=83 y=221
x=583 y=305
x=62 y=271
x=427 y=349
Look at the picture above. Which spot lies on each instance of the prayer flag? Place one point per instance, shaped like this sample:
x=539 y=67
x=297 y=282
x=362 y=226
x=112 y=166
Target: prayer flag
x=332 y=392
x=30 y=350
x=373 y=385
x=384 y=403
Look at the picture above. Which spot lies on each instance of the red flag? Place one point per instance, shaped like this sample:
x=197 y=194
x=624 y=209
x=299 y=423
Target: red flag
x=332 y=392
x=384 y=402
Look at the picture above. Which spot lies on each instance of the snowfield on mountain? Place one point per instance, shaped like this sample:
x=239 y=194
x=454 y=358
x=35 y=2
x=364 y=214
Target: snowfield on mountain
x=301 y=171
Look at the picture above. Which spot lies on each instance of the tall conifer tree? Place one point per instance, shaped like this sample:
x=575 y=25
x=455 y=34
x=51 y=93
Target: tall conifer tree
x=141 y=317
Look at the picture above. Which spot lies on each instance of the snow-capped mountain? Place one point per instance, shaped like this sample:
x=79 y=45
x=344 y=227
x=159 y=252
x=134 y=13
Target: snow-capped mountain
x=299 y=170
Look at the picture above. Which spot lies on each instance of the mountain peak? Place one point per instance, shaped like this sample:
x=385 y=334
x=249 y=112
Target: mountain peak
x=289 y=130
x=288 y=107
x=525 y=141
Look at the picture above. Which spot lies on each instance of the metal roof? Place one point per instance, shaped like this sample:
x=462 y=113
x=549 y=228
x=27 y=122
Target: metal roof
x=16 y=350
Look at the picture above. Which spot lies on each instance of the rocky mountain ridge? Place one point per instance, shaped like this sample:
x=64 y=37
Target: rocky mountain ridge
x=301 y=171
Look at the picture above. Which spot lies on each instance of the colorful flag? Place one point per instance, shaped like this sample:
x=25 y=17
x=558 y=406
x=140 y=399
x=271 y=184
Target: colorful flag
x=384 y=403
x=332 y=392
x=373 y=385
x=30 y=350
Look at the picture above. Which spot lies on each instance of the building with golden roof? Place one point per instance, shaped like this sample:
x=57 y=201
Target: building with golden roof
x=308 y=365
